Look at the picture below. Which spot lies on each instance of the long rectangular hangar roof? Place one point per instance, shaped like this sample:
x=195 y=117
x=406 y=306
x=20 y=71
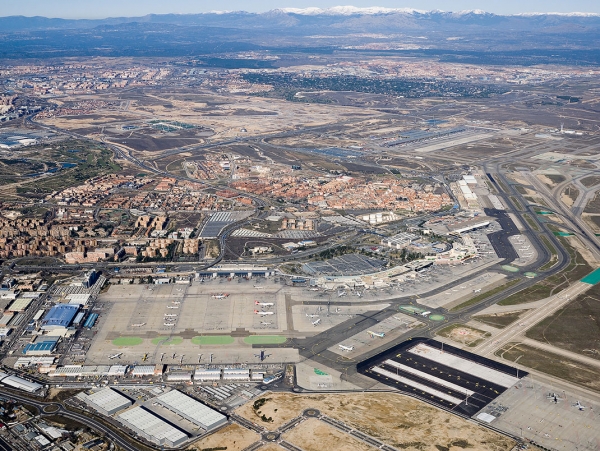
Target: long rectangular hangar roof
x=109 y=400
x=60 y=315
x=191 y=410
x=153 y=426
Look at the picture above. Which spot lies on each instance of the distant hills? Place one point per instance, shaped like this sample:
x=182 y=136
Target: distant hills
x=472 y=35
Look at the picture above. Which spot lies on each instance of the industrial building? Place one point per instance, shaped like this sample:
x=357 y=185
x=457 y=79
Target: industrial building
x=153 y=428
x=400 y=241
x=236 y=374
x=191 y=410
x=19 y=383
x=106 y=401
x=207 y=375
x=60 y=317
x=42 y=346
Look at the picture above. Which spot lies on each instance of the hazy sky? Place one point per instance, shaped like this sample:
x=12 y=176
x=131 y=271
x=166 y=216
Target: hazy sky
x=113 y=8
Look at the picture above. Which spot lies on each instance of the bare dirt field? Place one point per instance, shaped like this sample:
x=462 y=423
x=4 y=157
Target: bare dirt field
x=315 y=435
x=234 y=437
x=463 y=334
x=395 y=419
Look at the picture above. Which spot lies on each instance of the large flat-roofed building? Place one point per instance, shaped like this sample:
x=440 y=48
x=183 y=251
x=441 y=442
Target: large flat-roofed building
x=19 y=383
x=106 y=401
x=152 y=427
x=60 y=316
x=192 y=410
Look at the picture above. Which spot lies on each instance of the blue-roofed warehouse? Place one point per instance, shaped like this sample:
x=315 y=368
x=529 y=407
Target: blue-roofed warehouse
x=60 y=316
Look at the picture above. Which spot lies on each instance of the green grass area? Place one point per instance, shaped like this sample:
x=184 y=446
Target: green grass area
x=483 y=296
x=167 y=341
x=531 y=223
x=499 y=320
x=127 y=341
x=553 y=364
x=213 y=340
x=553 y=254
x=521 y=189
x=590 y=181
x=556 y=178
x=264 y=339
x=516 y=203
x=91 y=160
x=575 y=271
x=574 y=327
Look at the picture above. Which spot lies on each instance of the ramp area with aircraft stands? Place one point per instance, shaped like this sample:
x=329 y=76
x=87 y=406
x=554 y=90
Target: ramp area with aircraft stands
x=443 y=375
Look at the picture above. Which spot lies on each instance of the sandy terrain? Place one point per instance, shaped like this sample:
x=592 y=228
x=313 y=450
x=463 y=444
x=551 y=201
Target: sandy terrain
x=397 y=420
x=315 y=435
x=234 y=437
x=464 y=334
x=584 y=251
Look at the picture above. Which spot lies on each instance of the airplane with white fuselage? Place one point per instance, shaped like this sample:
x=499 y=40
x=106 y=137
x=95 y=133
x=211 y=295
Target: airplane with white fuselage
x=115 y=356
x=478 y=290
x=220 y=296
x=579 y=406
x=264 y=304
x=316 y=322
x=258 y=287
x=313 y=289
x=346 y=348
x=265 y=323
x=342 y=293
x=376 y=334
x=172 y=306
x=169 y=324
x=312 y=316
x=176 y=302
x=170 y=315
x=263 y=313
x=138 y=325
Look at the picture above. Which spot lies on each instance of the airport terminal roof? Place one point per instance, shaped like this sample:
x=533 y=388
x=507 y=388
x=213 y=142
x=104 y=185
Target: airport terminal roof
x=60 y=315
x=192 y=410
x=21 y=384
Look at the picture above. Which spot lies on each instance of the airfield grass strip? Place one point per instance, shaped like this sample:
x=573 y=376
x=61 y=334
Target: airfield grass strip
x=485 y=295
x=531 y=223
x=553 y=254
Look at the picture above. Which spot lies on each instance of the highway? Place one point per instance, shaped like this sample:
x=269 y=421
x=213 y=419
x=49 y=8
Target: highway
x=59 y=409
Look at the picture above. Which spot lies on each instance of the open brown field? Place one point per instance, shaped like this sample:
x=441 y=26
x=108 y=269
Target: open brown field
x=232 y=437
x=500 y=320
x=574 y=327
x=553 y=364
x=395 y=419
x=463 y=334
x=314 y=435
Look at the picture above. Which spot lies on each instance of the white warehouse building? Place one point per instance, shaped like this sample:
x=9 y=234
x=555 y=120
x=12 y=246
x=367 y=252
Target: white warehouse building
x=153 y=428
x=192 y=410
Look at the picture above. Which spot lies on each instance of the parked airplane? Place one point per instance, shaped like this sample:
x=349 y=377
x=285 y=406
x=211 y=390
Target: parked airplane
x=376 y=334
x=313 y=289
x=264 y=323
x=170 y=315
x=346 y=348
x=115 y=356
x=172 y=306
x=263 y=313
x=341 y=293
x=359 y=294
x=138 y=325
x=316 y=322
x=554 y=397
x=169 y=324
x=264 y=304
x=262 y=356
x=579 y=406
x=312 y=316
x=220 y=296
x=145 y=357
x=478 y=290
x=425 y=313
x=176 y=302
x=258 y=287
